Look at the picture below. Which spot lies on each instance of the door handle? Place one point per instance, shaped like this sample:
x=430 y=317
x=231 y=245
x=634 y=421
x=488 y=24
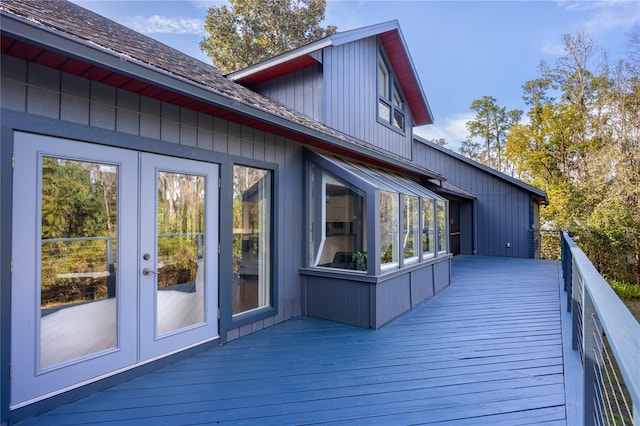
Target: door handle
x=147 y=271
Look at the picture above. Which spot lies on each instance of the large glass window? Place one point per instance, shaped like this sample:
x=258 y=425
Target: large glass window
x=407 y=217
x=442 y=226
x=428 y=228
x=411 y=231
x=338 y=223
x=391 y=105
x=389 y=241
x=252 y=257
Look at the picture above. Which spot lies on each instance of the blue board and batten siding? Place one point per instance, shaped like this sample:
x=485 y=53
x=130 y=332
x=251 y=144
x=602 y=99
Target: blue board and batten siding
x=341 y=92
x=503 y=210
x=44 y=100
x=300 y=90
x=350 y=84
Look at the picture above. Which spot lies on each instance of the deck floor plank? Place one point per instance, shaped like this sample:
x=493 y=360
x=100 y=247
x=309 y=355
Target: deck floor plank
x=486 y=350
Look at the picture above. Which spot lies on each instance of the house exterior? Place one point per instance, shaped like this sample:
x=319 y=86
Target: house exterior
x=153 y=208
x=491 y=213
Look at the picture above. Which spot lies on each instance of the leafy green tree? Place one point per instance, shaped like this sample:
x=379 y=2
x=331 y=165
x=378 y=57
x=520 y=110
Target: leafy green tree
x=491 y=124
x=583 y=149
x=471 y=149
x=249 y=31
x=72 y=204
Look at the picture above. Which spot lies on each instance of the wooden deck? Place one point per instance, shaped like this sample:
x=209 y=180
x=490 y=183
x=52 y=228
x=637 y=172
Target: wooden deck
x=486 y=350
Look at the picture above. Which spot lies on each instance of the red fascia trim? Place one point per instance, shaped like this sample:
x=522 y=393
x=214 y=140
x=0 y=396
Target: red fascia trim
x=92 y=72
x=278 y=70
x=403 y=70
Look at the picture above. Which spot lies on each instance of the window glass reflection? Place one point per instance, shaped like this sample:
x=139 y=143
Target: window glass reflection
x=338 y=223
x=389 y=238
x=78 y=281
x=410 y=233
x=428 y=228
x=252 y=207
x=442 y=226
x=181 y=251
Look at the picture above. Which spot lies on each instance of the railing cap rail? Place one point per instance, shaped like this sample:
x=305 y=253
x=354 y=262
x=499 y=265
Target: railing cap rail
x=621 y=328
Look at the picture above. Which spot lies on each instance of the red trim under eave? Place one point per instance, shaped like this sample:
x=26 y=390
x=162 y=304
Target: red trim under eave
x=278 y=70
x=77 y=67
x=403 y=69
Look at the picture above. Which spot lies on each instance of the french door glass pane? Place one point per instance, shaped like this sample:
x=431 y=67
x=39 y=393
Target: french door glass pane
x=181 y=251
x=79 y=222
x=252 y=205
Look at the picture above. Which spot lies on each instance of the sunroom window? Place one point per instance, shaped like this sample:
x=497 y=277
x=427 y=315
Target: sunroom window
x=338 y=217
x=441 y=208
x=391 y=105
x=428 y=228
x=354 y=209
x=411 y=229
x=389 y=209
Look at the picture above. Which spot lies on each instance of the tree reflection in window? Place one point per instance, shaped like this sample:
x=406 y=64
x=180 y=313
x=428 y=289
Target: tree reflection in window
x=251 y=249
x=389 y=238
x=442 y=226
x=428 y=228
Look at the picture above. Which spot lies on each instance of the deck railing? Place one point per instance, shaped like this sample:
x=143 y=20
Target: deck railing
x=607 y=337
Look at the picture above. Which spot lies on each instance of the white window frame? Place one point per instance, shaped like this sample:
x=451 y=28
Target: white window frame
x=391 y=89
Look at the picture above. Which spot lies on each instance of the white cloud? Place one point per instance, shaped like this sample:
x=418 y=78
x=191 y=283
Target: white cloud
x=453 y=130
x=552 y=49
x=604 y=15
x=156 y=24
x=206 y=4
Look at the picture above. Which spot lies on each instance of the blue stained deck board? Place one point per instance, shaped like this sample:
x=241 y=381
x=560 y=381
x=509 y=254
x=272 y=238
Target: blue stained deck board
x=486 y=350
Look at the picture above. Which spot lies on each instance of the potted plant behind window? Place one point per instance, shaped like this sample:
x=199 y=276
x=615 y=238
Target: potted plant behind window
x=359 y=260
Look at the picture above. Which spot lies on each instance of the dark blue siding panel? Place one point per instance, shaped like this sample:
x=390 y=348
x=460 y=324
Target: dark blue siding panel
x=441 y=275
x=421 y=285
x=350 y=78
x=502 y=209
x=394 y=298
x=300 y=90
x=337 y=300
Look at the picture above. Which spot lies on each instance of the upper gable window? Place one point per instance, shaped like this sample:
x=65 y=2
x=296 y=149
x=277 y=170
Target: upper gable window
x=390 y=101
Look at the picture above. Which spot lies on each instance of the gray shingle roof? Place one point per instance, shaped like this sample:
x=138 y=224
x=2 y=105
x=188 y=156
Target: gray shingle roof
x=95 y=30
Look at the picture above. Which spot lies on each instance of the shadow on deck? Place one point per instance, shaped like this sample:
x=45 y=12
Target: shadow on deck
x=486 y=350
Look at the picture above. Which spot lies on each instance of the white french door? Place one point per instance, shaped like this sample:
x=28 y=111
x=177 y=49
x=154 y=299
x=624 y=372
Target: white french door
x=178 y=252
x=114 y=261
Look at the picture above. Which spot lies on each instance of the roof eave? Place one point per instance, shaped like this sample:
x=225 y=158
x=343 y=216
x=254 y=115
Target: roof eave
x=407 y=75
x=410 y=82
x=538 y=194
x=283 y=58
x=34 y=33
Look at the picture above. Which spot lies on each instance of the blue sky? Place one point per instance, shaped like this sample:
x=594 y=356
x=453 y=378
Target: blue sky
x=462 y=50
